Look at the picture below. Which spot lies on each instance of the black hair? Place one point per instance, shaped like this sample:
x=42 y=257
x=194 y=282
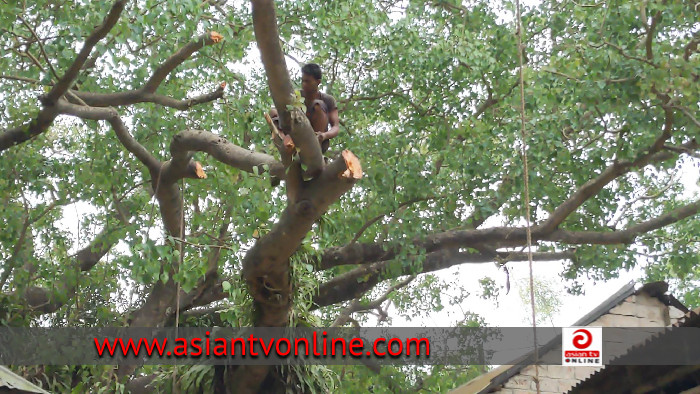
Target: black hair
x=312 y=69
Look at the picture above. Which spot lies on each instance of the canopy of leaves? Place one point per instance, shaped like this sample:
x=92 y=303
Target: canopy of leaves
x=428 y=99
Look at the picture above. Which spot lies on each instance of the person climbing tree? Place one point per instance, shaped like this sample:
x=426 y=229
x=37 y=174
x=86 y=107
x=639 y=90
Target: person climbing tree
x=320 y=107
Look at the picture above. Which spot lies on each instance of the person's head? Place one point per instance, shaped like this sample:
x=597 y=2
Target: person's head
x=310 y=77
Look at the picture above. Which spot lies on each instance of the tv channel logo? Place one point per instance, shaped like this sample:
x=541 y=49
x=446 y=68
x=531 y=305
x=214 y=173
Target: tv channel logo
x=582 y=346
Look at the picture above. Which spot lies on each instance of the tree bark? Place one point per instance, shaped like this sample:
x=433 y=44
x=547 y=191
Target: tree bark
x=293 y=122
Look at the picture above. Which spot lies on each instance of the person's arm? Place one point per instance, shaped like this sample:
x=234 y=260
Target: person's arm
x=334 y=122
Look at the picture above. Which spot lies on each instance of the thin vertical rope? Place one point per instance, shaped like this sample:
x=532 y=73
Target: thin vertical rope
x=526 y=175
x=179 y=266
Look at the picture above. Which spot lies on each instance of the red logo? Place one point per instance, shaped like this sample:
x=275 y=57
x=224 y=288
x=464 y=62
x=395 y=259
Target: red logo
x=583 y=339
x=582 y=346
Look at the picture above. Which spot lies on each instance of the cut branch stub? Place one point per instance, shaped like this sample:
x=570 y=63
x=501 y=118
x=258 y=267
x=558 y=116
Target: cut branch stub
x=354 y=170
x=199 y=171
x=215 y=37
x=287 y=141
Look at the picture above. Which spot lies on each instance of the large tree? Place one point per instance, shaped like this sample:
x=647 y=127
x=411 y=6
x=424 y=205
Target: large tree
x=111 y=109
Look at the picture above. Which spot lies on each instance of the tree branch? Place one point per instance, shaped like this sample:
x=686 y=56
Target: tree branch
x=357 y=306
x=502 y=194
x=141 y=96
x=651 y=29
x=147 y=92
x=625 y=55
x=496 y=237
x=356 y=282
x=687 y=113
x=593 y=186
x=682 y=150
x=112 y=116
x=266 y=265
x=21 y=79
x=267 y=37
x=224 y=151
x=48 y=113
x=180 y=56
x=9 y=265
x=40 y=300
x=69 y=77
x=293 y=122
x=41 y=46
x=627 y=235
x=164 y=176
x=379 y=217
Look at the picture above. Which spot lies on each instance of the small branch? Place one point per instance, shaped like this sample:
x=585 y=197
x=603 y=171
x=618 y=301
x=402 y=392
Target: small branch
x=48 y=113
x=561 y=74
x=111 y=115
x=593 y=186
x=66 y=82
x=377 y=218
x=620 y=213
x=33 y=59
x=651 y=29
x=626 y=56
x=213 y=258
x=687 y=113
x=204 y=246
x=9 y=265
x=352 y=99
x=682 y=150
x=41 y=46
x=692 y=46
x=356 y=282
x=179 y=57
x=22 y=79
x=357 y=306
x=502 y=194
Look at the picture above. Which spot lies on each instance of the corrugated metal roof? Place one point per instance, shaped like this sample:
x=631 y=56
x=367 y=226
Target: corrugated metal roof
x=11 y=380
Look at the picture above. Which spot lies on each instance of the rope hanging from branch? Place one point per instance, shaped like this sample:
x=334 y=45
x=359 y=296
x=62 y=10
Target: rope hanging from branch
x=176 y=389
x=523 y=134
